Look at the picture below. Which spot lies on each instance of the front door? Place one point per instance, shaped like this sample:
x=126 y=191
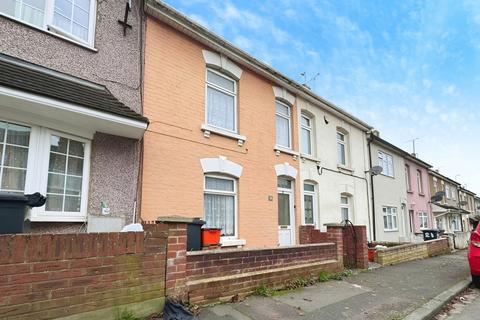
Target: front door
x=285 y=212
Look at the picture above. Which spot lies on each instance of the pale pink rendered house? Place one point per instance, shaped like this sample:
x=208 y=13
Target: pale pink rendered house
x=418 y=197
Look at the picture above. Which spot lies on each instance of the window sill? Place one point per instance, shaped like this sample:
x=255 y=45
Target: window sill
x=410 y=191
x=421 y=194
x=342 y=167
x=207 y=130
x=232 y=242
x=279 y=149
x=387 y=176
x=310 y=157
x=80 y=44
x=48 y=218
x=393 y=230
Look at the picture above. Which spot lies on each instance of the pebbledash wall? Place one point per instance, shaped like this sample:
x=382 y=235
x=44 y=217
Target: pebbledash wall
x=116 y=62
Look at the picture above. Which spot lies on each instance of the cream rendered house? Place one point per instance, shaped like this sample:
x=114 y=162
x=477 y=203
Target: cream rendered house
x=333 y=162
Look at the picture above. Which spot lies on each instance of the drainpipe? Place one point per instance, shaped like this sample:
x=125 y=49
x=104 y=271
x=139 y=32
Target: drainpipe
x=374 y=228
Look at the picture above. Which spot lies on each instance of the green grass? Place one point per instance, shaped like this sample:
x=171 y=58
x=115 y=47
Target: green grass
x=264 y=291
x=125 y=315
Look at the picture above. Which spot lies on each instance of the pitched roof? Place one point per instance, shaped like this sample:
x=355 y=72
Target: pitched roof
x=22 y=75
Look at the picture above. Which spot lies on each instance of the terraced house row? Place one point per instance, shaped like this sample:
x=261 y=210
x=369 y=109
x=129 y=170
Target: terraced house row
x=124 y=111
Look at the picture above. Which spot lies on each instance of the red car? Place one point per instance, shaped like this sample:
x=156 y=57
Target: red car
x=474 y=256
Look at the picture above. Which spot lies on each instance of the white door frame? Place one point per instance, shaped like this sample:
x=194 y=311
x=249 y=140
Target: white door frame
x=291 y=193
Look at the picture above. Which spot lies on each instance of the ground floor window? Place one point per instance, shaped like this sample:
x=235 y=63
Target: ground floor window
x=439 y=224
x=309 y=202
x=456 y=223
x=37 y=159
x=390 y=219
x=345 y=207
x=220 y=198
x=423 y=217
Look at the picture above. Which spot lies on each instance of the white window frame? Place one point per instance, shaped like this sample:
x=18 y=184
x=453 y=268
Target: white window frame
x=423 y=218
x=420 y=182
x=390 y=211
x=385 y=160
x=346 y=206
x=447 y=191
x=48 y=26
x=37 y=172
x=233 y=94
x=233 y=193
x=457 y=221
x=312 y=194
x=310 y=133
x=407 y=178
x=289 y=118
x=345 y=147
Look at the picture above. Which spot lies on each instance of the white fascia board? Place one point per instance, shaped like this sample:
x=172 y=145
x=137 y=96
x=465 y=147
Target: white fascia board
x=66 y=114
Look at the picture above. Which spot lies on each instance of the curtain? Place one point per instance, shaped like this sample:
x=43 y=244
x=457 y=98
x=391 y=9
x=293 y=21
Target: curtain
x=283 y=132
x=341 y=153
x=220 y=213
x=221 y=109
x=306 y=143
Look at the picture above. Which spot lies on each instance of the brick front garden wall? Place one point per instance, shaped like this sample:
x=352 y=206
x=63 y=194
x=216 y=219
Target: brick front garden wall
x=89 y=275
x=98 y=275
x=408 y=252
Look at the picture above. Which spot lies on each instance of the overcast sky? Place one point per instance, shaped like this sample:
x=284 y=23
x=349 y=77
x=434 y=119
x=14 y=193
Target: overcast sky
x=411 y=69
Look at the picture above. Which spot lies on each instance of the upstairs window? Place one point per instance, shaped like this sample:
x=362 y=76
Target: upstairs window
x=420 y=182
x=341 y=148
x=306 y=128
x=74 y=19
x=447 y=191
x=221 y=101
x=386 y=162
x=407 y=177
x=283 y=125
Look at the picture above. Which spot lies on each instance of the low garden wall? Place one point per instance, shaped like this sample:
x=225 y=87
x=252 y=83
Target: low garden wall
x=414 y=251
x=79 y=276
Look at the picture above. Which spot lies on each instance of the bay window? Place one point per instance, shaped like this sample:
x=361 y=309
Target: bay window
x=221 y=110
x=390 y=218
x=74 y=19
x=36 y=159
x=283 y=124
x=220 y=201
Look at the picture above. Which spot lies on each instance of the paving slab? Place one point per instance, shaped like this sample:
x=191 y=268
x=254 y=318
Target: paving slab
x=391 y=292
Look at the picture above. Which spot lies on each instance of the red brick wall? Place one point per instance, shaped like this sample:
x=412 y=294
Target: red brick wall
x=437 y=247
x=55 y=275
x=308 y=234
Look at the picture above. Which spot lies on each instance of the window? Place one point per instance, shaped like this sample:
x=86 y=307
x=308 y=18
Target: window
x=407 y=177
x=390 y=219
x=454 y=194
x=342 y=148
x=439 y=223
x=447 y=191
x=14 y=143
x=220 y=198
x=456 y=225
x=74 y=19
x=386 y=162
x=435 y=185
x=36 y=159
x=283 y=124
x=419 y=182
x=306 y=128
x=345 y=207
x=221 y=101
x=65 y=175
x=423 y=220
x=309 y=203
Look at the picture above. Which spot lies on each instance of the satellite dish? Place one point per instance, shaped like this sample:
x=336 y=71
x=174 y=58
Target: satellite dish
x=438 y=196
x=376 y=170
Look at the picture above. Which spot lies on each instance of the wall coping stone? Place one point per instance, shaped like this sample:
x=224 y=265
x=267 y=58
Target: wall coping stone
x=174 y=219
x=209 y=252
x=334 y=225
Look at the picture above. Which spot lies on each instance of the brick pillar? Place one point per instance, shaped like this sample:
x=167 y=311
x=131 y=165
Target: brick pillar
x=176 y=274
x=362 y=247
x=335 y=235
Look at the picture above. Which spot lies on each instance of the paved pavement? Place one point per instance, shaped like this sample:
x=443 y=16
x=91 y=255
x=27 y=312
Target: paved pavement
x=386 y=293
x=465 y=306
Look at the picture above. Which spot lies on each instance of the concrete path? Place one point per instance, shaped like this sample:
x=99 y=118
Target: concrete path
x=465 y=306
x=386 y=293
